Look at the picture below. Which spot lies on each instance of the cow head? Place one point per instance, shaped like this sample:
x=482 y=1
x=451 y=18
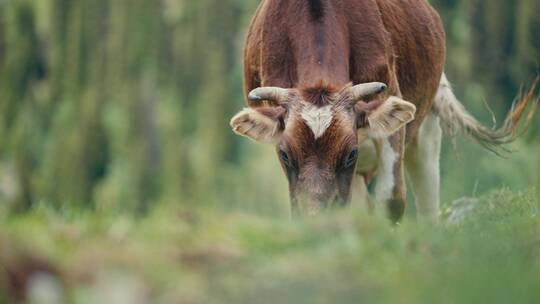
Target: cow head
x=315 y=132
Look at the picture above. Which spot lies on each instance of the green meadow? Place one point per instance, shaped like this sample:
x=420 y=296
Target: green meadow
x=122 y=182
x=487 y=251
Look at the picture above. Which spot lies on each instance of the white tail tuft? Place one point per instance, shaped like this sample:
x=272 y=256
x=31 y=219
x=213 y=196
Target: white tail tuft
x=456 y=119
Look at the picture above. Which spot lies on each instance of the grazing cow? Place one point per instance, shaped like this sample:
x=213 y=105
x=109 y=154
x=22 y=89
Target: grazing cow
x=348 y=88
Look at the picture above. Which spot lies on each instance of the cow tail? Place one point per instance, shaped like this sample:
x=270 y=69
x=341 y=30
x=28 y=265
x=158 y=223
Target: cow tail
x=456 y=119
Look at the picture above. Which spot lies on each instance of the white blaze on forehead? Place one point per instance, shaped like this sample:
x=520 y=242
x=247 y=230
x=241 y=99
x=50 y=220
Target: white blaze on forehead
x=317 y=119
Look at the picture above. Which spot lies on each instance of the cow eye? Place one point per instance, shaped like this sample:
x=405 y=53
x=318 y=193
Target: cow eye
x=285 y=158
x=351 y=158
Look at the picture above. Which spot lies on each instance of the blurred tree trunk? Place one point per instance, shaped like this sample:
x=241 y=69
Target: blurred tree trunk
x=121 y=104
x=538 y=185
x=21 y=123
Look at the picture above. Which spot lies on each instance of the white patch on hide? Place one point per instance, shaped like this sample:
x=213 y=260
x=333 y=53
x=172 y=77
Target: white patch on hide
x=423 y=168
x=317 y=119
x=385 y=176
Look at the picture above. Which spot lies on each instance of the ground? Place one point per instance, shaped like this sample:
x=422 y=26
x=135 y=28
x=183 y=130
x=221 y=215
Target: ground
x=488 y=252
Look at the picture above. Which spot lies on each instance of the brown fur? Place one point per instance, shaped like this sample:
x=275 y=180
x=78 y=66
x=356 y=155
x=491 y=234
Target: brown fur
x=398 y=42
x=316 y=52
x=320 y=94
x=318 y=48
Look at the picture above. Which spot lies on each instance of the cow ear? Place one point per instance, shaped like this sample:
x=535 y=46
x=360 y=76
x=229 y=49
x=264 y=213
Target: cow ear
x=389 y=117
x=264 y=125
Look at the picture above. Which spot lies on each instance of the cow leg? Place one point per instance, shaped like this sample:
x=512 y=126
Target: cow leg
x=422 y=161
x=366 y=166
x=391 y=188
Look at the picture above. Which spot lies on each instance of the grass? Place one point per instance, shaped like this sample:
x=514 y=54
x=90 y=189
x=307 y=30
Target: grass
x=492 y=255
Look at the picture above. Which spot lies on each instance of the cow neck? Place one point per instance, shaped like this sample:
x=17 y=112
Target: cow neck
x=320 y=48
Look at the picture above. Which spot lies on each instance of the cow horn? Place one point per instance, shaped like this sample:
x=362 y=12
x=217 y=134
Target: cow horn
x=366 y=89
x=268 y=93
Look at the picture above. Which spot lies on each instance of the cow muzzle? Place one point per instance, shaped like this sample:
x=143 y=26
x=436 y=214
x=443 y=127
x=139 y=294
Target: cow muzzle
x=313 y=205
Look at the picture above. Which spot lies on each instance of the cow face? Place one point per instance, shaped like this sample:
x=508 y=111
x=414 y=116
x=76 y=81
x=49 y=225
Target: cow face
x=315 y=134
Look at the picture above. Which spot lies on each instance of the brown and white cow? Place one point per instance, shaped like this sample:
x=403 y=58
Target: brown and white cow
x=333 y=83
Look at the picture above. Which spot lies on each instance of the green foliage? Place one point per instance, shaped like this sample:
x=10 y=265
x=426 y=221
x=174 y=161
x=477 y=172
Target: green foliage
x=120 y=177
x=176 y=255
x=110 y=105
